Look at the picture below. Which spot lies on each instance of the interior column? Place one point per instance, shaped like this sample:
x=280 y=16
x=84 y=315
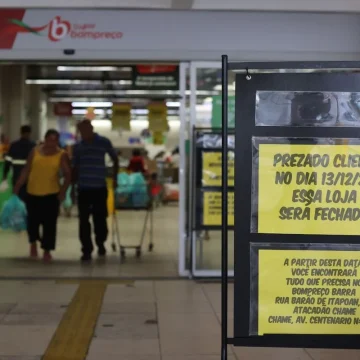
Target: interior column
x=13 y=99
x=37 y=111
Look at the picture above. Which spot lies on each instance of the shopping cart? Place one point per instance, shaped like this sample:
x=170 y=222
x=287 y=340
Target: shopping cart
x=138 y=199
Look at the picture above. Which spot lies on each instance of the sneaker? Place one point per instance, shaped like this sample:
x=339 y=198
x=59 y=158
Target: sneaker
x=33 y=250
x=85 y=258
x=47 y=257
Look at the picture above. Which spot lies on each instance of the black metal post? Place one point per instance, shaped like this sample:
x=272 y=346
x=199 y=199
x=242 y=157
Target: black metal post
x=224 y=211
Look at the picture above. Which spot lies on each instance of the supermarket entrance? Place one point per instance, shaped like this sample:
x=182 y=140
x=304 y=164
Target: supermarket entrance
x=137 y=106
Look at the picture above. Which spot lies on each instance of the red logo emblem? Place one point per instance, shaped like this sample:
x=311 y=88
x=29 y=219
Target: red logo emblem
x=58 y=29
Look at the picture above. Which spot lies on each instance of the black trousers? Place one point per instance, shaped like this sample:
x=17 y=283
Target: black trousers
x=92 y=202
x=42 y=211
x=23 y=193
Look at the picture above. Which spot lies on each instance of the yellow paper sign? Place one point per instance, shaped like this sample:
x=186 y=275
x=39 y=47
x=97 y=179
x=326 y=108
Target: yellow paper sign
x=158 y=138
x=309 y=189
x=212 y=209
x=211 y=174
x=121 y=116
x=309 y=292
x=158 y=117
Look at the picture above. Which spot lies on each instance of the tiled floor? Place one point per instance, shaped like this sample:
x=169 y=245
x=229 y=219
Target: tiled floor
x=161 y=263
x=147 y=320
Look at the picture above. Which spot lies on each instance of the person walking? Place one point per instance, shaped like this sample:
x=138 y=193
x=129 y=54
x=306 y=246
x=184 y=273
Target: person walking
x=44 y=193
x=89 y=174
x=137 y=163
x=16 y=158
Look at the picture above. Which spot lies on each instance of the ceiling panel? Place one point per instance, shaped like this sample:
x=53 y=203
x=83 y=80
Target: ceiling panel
x=144 y=4
x=279 y=5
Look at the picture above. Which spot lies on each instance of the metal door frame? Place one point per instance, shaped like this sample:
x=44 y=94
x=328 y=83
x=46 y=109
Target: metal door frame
x=194 y=65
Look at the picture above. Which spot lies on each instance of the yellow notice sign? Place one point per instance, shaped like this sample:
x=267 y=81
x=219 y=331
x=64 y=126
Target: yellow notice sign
x=121 y=116
x=309 y=189
x=309 y=292
x=158 y=138
x=211 y=174
x=158 y=117
x=212 y=209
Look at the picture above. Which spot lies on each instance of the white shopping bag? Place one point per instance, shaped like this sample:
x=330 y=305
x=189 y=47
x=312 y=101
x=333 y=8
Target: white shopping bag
x=4 y=186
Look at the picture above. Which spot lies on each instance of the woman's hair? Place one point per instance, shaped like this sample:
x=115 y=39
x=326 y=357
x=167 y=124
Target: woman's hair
x=136 y=152
x=52 y=132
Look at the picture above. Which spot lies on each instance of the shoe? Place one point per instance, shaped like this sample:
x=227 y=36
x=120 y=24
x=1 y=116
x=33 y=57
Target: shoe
x=85 y=258
x=33 y=250
x=47 y=257
x=102 y=251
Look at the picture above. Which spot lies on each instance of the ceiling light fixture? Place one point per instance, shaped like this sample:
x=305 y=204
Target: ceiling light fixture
x=93 y=68
x=173 y=103
x=75 y=82
x=94 y=104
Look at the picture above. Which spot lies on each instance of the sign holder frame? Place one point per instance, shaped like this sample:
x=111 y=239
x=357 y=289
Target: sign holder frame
x=196 y=176
x=268 y=340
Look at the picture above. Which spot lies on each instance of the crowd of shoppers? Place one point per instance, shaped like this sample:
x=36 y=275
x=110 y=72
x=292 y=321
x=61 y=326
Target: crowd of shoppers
x=41 y=176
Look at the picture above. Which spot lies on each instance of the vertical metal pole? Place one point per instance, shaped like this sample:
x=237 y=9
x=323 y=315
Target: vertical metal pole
x=182 y=173
x=224 y=211
x=193 y=114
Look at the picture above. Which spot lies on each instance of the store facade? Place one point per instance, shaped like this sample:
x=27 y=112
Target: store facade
x=193 y=40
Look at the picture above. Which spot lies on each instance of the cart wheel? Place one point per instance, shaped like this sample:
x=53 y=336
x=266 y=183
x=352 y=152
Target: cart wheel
x=113 y=246
x=151 y=247
x=138 y=253
x=122 y=253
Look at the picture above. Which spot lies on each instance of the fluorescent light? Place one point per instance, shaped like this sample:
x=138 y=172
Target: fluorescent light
x=169 y=93
x=173 y=104
x=88 y=68
x=61 y=82
x=75 y=82
x=84 y=111
x=94 y=104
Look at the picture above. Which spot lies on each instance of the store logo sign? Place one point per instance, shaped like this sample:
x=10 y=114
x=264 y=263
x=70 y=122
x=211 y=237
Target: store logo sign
x=58 y=29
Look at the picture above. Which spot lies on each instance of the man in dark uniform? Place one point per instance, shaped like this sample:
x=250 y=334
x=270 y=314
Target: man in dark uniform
x=16 y=157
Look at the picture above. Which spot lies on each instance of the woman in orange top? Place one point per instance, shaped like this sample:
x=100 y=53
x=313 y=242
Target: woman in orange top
x=44 y=193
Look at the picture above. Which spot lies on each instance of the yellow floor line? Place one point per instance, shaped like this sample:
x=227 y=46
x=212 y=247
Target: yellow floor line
x=73 y=336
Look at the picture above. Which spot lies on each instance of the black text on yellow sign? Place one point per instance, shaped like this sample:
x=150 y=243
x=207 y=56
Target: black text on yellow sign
x=212 y=208
x=309 y=189
x=158 y=117
x=121 y=117
x=309 y=292
x=211 y=172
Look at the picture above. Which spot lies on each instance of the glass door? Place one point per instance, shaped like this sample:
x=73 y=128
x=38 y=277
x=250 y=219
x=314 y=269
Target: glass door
x=205 y=169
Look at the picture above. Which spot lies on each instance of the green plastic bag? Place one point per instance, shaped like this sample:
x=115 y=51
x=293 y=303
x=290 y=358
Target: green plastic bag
x=13 y=215
x=67 y=203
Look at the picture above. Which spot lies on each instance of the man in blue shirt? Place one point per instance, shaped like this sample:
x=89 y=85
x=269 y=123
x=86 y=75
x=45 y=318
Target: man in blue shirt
x=89 y=174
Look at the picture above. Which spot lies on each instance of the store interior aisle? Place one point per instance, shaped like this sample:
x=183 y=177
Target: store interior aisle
x=162 y=262
x=129 y=320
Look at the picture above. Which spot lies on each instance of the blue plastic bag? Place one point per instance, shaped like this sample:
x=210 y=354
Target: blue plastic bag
x=139 y=190
x=13 y=215
x=67 y=203
x=123 y=184
x=123 y=191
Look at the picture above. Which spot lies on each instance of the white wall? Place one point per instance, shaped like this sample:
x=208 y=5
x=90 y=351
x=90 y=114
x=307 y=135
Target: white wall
x=262 y=5
x=119 y=140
